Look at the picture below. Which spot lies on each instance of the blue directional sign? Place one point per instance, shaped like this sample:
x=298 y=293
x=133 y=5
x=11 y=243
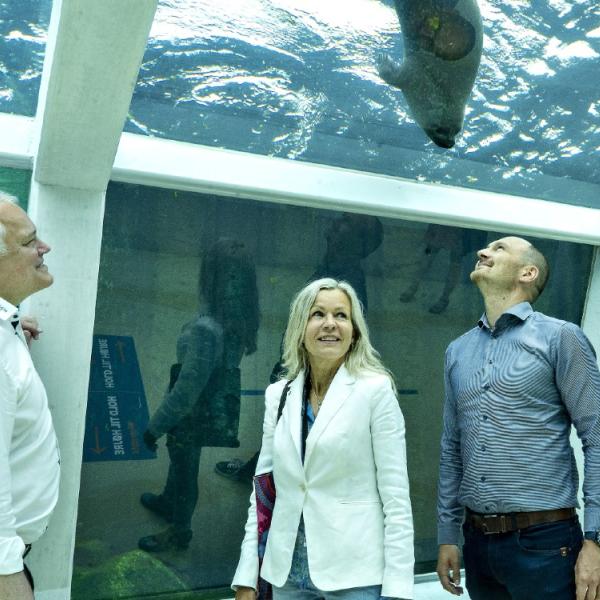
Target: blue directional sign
x=117 y=413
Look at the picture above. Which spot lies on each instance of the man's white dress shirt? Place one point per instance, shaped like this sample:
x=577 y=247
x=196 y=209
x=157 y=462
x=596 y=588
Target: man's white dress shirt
x=29 y=456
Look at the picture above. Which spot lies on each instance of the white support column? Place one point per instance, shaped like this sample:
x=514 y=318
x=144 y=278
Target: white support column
x=70 y=220
x=98 y=50
x=93 y=55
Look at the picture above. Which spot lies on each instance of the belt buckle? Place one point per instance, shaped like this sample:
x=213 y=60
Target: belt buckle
x=487 y=530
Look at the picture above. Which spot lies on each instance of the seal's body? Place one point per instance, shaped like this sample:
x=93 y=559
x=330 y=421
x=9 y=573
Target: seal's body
x=442 y=50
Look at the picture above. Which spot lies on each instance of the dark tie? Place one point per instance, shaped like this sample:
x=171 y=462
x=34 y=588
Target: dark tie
x=14 y=321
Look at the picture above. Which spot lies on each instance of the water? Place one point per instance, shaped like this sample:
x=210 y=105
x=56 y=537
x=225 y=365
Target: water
x=23 y=32
x=298 y=80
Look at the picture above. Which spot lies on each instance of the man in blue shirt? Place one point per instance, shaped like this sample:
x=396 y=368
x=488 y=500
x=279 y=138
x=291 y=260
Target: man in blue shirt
x=514 y=385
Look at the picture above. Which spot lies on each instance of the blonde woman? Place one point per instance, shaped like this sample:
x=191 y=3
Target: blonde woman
x=342 y=523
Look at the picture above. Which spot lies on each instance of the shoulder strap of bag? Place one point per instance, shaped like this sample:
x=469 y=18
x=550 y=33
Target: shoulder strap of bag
x=282 y=400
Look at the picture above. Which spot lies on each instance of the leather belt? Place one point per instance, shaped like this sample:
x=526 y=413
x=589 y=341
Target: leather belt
x=508 y=522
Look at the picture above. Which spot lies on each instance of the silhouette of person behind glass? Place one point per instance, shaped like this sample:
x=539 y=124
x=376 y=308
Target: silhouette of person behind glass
x=202 y=404
x=350 y=239
x=459 y=243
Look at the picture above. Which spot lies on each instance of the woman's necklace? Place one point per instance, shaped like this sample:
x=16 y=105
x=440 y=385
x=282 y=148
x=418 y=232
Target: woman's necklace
x=318 y=398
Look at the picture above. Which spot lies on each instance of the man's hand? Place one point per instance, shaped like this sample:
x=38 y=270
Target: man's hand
x=587 y=572
x=31 y=328
x=245 y=593
x=448 y=568
x=15 y=587
x=150 y=441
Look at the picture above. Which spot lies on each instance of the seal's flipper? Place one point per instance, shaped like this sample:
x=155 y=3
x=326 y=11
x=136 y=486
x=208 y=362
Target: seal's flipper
x=391 y=72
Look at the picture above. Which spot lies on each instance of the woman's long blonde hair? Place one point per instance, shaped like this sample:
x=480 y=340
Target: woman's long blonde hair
x=361 y=357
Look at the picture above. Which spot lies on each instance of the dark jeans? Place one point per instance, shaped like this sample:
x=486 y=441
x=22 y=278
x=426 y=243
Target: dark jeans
x=536 y=562
x=181 y=489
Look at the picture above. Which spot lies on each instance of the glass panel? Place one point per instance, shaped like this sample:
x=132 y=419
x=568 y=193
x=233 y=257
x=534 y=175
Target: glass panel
x=16 y=182
x=413 y=279
x=300 y=81
x=23 y=32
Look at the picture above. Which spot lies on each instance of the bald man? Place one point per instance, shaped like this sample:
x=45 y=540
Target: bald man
x=29 y=459
x=514 y=385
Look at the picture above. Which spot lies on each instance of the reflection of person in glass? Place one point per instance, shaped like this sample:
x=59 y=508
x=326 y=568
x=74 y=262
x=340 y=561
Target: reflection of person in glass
x=350 y=239
x=458 y=243
x=516 y=383
x=202 y=404
x=342 y=518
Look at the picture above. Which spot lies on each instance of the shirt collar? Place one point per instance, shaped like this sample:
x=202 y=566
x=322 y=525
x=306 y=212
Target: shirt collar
x=520 y=311
x=7 y=310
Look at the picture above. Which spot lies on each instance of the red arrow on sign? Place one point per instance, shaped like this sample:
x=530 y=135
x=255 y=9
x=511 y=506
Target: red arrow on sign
x=135 y=447
x=97 y=449
x=120 y=345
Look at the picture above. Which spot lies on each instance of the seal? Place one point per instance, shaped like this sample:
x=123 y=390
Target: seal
x=442 y=50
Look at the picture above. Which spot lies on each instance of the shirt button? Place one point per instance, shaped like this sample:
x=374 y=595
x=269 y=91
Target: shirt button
x=486 y=386
x=490 y=361
x=484 y=417
x=483 y=479
x=486 y=508
x=483 y=447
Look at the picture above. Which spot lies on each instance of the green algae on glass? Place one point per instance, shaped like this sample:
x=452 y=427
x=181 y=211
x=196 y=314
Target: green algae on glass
x=134 y=574
x=211 y=594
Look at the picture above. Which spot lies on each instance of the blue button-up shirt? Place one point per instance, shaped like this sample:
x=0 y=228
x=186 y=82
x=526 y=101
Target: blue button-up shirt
x=299 y=574
x=512 y=393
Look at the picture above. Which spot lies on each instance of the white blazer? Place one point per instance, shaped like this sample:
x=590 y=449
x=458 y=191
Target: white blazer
x=352 y=489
